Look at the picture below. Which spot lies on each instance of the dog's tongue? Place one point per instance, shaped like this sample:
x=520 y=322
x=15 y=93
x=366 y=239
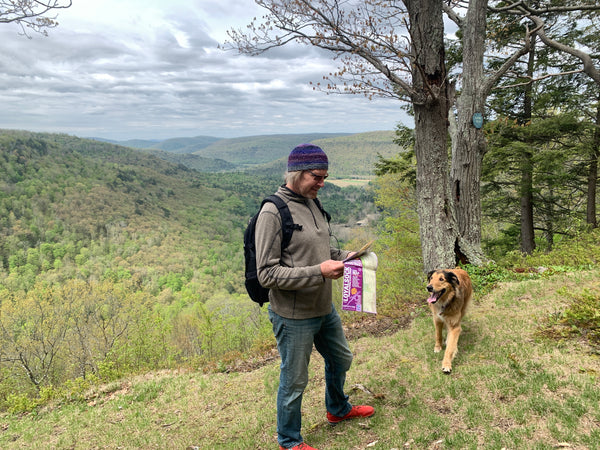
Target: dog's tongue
x=432 y=298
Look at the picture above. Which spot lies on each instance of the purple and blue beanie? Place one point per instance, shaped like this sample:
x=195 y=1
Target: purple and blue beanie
x=307 y=157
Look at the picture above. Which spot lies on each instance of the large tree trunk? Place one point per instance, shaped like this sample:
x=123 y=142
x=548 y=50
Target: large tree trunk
x=436 y=210
x=593 y=175
x=550 y=220
x=468 y=143
x=526 y=187
x=527 y=233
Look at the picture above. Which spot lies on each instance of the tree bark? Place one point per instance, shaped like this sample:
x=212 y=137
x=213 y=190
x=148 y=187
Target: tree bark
x=469 y=145
x=593 y=175
x=527 y=233
x=526 y=187
x=591 y=218
x=438 y=229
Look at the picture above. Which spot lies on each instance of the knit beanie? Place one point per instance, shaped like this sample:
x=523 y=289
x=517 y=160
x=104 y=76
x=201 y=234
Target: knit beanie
x=306 y=157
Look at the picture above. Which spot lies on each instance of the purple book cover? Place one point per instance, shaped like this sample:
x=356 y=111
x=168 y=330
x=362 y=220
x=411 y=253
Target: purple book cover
x=352 y=290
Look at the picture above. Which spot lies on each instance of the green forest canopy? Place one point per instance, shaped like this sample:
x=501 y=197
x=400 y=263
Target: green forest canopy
x=114 y=261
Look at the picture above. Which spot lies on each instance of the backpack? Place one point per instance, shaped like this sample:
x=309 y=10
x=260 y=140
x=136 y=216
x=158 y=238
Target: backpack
x=258 y=293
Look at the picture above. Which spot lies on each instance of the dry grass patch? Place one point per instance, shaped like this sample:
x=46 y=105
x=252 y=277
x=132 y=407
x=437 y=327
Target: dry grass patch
x=345 y=182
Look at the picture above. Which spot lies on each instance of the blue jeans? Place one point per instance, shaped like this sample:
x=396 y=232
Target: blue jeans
x=295 y=339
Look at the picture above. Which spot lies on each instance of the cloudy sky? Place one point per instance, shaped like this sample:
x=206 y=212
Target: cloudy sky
x=152 y=69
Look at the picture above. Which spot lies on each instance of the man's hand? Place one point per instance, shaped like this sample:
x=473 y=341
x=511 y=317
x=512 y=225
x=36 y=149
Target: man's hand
x=332 y=269
x=351 y=255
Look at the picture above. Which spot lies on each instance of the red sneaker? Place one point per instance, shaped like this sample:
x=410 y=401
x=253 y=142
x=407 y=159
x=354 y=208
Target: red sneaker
x=356 y=411
x=302 y=446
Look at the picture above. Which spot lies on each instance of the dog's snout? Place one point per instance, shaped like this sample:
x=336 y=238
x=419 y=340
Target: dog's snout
x=429 y=288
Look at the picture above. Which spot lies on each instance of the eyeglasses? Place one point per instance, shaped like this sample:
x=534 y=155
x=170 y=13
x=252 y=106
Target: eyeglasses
x=318 y=178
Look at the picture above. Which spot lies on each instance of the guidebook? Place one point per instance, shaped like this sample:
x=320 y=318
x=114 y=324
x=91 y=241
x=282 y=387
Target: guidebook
x=363 y=251
x=359 y=289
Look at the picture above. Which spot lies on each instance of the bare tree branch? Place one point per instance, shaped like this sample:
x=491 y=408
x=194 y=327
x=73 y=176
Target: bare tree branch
x=525 y=9
x=532 y=80
x=524 y=6
x=367 y=39
x=32 y=14
x=588 y=64
x=493 y=79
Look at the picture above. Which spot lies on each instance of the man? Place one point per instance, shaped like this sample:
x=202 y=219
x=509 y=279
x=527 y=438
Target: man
x=300 y=303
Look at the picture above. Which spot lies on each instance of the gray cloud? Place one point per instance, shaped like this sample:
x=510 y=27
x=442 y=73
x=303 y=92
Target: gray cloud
x=136 y=72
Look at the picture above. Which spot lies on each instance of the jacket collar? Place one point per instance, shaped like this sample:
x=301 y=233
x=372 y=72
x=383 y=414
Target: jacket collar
x=287 y=192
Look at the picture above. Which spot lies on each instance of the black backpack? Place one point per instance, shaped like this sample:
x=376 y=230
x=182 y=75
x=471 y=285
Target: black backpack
x=258 y=293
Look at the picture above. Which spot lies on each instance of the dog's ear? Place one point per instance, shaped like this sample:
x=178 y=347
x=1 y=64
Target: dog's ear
x=452 y=278
x=431 y=272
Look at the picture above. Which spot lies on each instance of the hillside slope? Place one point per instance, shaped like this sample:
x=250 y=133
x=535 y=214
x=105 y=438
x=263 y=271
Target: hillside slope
x=118 y=261
x=60 y=189
x=508 y=389
x=258 y=149
x=66 y=193
x=355 y=156
x=351 y=155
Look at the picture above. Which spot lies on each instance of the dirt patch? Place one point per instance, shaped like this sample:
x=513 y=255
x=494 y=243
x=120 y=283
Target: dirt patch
x=376 y=326
x=361 y=327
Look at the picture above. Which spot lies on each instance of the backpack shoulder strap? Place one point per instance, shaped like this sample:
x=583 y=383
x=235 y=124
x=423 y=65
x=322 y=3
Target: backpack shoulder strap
x=287 y=223
x=325 y=213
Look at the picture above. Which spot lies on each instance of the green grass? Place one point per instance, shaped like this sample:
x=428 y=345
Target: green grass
x=510 y=388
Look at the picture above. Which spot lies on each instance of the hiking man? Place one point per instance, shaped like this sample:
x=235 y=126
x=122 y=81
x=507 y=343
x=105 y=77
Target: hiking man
x=300 y=299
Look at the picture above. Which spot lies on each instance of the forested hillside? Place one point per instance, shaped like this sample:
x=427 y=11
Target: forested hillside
x=115 y=261
x=195 y=162
x=352 y=156
x=246 y=150
x=356 y=155
x=175 y=145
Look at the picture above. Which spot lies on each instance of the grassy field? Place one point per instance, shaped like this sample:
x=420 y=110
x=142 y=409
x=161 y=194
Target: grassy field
x=509 y=389
x=345 y=182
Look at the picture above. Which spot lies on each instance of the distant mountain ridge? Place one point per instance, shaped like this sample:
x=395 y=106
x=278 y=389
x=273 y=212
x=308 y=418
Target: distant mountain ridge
x=254 y=150
x=351 y=155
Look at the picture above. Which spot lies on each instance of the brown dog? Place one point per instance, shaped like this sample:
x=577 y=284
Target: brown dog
x=450 y=294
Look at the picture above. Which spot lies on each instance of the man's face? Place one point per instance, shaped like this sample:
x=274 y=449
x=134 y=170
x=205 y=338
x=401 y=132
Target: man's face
x=310 y=182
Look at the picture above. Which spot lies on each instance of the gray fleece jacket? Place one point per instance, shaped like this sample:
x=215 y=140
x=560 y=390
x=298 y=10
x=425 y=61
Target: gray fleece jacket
x=298 y=290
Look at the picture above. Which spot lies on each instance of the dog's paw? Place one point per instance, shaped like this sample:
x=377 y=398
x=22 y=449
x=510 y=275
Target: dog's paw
x=437 y=349
x=447 y=370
